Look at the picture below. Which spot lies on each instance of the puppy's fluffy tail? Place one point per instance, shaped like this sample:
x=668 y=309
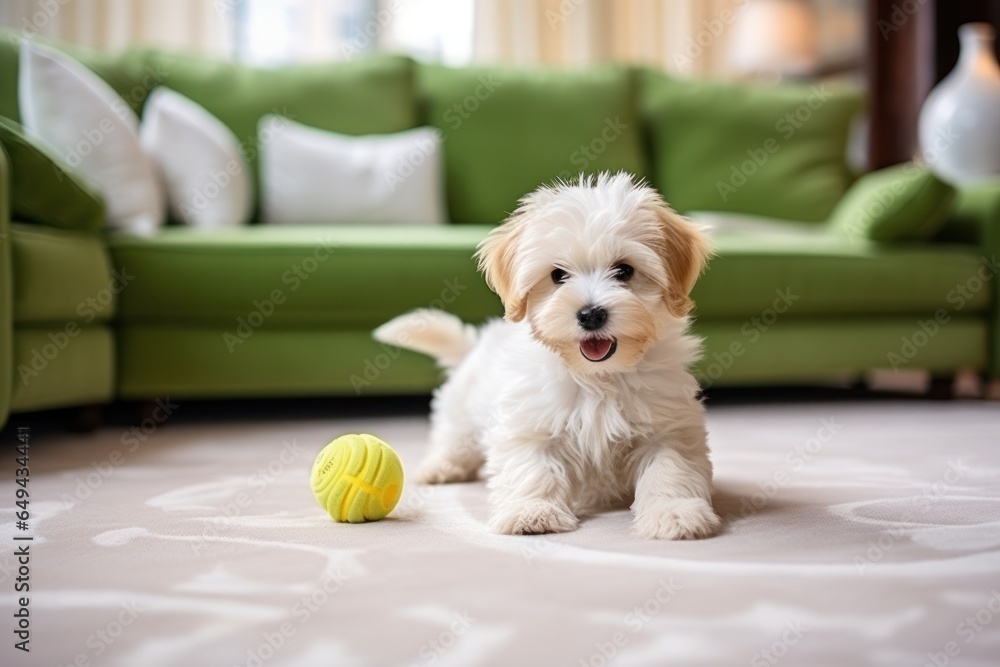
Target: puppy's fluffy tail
x=433 y=332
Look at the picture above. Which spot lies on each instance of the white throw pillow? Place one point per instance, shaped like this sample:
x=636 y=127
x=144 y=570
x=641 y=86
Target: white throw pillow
x=94 y=131
x=311 y=176
x=200 y=161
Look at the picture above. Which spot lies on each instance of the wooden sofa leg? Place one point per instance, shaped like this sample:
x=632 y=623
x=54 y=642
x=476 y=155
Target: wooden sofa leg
x=991 y=389
x=941 y=388
x=144 y=410
x=88 y=419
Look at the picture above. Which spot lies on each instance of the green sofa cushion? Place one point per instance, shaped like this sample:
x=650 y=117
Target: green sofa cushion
x=776 y=152
x=339 y=277
x=906 y=202
x=42 y=190
x=61 y=276
x=825 y=275
x=507 y=131
x=351 y=278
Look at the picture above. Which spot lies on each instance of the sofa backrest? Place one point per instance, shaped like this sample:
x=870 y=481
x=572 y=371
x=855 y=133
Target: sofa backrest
x=508 y=130
x=768 y=151
x=706 y=146
x=370 y=96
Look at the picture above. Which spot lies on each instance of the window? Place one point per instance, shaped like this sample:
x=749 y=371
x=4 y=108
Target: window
x=272 y=32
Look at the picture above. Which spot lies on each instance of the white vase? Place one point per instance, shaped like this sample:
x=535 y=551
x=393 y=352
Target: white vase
x=960 y=120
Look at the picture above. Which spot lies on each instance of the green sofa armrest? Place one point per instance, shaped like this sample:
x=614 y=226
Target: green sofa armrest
x=905 y=202
x=6 y=293
x=41 y=190
x=979 y=206
x=977 y=210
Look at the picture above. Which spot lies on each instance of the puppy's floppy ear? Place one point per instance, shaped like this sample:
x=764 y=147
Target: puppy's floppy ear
x=685 y=251
x=497 y=256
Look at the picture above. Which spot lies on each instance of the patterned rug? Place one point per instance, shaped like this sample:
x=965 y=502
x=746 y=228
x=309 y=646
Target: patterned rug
x=855 y=534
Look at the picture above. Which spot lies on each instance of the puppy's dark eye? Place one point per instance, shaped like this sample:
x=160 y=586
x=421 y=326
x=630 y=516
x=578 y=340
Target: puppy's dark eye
x=559 y=276
x=623 y=272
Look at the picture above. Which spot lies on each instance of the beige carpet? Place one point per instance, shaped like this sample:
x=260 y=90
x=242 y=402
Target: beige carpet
x=857 y=534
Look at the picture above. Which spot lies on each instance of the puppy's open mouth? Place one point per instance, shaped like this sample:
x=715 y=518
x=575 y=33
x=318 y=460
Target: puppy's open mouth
x=598 y=349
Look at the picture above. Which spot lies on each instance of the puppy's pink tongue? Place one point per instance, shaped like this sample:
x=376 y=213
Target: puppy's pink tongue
x=596 y=349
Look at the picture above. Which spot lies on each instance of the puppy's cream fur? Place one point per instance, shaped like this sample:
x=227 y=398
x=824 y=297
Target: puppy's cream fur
x=560 y=434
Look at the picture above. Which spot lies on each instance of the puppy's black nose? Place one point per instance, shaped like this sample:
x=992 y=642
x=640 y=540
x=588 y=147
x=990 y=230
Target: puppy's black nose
x=592 y=318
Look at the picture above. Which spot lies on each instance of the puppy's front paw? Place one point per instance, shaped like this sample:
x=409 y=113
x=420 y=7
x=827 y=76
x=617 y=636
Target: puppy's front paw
x=442 y=471
x=533 y=517
x=675 y=519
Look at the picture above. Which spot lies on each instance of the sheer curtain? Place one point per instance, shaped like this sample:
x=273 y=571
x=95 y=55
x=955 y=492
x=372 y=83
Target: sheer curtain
x=681 y=36
x=200 y=26
x=266 y=32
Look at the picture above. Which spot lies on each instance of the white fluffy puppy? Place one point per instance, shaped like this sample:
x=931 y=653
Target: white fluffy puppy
x=581 y=397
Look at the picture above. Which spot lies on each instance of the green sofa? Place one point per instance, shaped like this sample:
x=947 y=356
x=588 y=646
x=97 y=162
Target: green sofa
x=87 y=316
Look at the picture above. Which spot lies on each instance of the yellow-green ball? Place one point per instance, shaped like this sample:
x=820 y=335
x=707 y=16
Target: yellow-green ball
x=357 y=478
